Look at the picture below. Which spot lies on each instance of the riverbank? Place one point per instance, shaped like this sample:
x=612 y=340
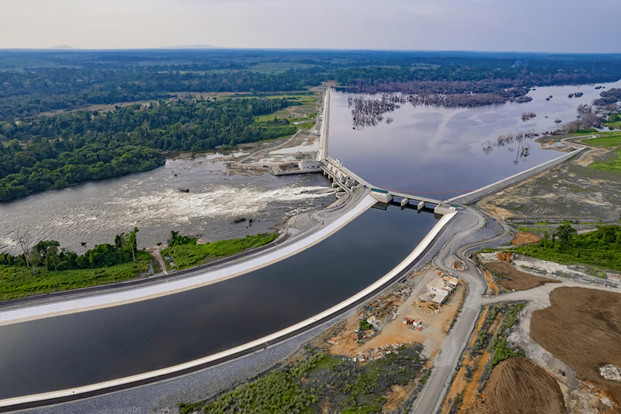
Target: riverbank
x=301 y=239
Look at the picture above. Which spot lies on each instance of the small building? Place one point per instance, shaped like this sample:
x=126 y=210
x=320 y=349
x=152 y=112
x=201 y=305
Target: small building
x=440 y=297
x=309 y=165
x=408 y=321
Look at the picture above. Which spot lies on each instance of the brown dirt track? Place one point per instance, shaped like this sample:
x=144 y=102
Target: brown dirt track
x=516 y=279
x=518 y=385
x=582 y=327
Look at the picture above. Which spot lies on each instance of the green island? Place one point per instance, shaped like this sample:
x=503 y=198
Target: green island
x=186 y=252
x=317 y=380
x=46 y=267
x=52 y=152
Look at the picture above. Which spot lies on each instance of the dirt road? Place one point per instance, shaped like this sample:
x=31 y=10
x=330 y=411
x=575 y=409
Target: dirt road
x=476 y=231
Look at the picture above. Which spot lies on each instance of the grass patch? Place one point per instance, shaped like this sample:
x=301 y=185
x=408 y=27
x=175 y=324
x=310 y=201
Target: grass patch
x=18 y=281
x=614 y=165
x=306 y=125
x=607 y=140
x=192 y=254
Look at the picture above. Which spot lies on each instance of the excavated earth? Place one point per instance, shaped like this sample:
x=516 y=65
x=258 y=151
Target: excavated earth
x=570 y=191
x=519 y=385
x=582 y=328
x=514 y=279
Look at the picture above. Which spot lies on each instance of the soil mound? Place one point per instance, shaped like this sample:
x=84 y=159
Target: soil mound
x=516 y=280
x=582 y=327
x=522 y=237
x=504 y=257
x=518 y=385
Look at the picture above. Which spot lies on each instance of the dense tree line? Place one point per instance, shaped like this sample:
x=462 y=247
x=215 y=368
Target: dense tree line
x=48 y=254
x=57 y=151
x=35 y=82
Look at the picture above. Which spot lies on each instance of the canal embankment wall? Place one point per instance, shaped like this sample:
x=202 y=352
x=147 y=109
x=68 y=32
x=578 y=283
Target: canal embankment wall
x=262 y=343
x=493 y=188
x=168 y=287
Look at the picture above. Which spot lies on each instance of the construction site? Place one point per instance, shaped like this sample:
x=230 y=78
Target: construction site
x=419 y=309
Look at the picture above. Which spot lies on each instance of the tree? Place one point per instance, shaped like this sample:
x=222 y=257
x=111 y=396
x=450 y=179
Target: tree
x=24 y=243
x=51 y=257
x=133 y=244
x=565 y=233
x=43 y=246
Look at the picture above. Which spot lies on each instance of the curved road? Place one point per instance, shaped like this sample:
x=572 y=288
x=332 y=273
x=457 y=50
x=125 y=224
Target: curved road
x=476 y=227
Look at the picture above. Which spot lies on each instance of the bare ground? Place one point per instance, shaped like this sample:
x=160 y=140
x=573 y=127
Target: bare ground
x=394 y=305
x=514 y=279
x=523 y=237
x=582 y=328
x=519 y=385
x=570 y=191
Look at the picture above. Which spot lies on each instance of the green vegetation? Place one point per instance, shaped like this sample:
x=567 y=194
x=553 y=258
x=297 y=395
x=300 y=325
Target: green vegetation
x=185 y=252
x=364 y=325
x=62 y=150
x=607 y=140
x=19 y=281
x=614 y=121
x=614 y=165
x=601 y=248
x=318 y=380
x=44 y=268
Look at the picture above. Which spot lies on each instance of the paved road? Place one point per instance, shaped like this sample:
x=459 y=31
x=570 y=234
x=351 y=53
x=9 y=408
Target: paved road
x=476 y=231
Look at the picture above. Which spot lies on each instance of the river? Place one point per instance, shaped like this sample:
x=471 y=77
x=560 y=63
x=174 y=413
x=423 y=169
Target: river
x=95 y=212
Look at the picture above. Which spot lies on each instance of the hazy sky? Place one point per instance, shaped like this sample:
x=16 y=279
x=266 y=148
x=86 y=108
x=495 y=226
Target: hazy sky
x=495 y=25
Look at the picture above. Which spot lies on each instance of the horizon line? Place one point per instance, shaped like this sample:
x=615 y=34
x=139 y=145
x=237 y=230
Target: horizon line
x=219 y=48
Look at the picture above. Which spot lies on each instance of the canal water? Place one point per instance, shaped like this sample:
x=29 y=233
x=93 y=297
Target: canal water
x=83 y=348
x=436 y=150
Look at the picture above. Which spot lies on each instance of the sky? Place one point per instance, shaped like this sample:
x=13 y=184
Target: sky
x=487 y=25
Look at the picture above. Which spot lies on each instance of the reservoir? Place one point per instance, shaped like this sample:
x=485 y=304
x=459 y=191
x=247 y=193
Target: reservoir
x=89 y=347
x=428 y=149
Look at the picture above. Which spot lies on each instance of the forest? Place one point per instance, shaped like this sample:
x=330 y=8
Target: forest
x=33 y=82
x=50 y=152
x=599 y=248
x=51 y=137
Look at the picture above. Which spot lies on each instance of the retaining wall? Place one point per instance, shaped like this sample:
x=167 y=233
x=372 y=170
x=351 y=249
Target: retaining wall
x=493 y=188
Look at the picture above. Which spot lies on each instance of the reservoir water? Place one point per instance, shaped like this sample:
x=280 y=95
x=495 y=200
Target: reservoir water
x=440 y=150
x=89 y=347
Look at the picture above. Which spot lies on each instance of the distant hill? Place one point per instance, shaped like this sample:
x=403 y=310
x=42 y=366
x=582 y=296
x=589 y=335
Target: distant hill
x=189 y=47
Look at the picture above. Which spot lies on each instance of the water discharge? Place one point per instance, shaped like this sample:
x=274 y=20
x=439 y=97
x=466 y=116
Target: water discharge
x=152 y=201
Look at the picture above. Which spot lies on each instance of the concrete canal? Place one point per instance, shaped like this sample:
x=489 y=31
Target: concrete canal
x=90 y=347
